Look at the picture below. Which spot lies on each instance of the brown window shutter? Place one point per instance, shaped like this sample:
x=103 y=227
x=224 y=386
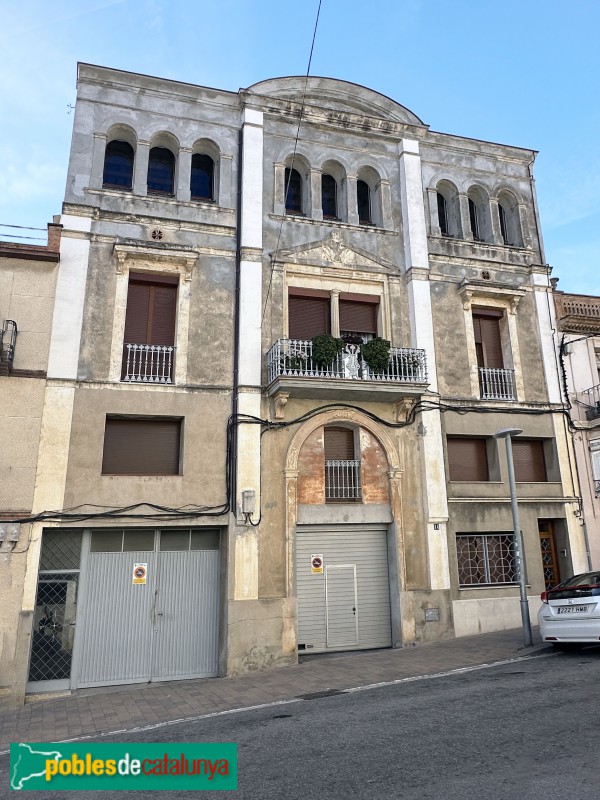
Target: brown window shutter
x=138 y=313
x=358 y=317
x=141 y=446
x=339 y=444
x=151 y=312
x=164 y=309
x=486 y=329
x=308 y=317
x=467 y=459
x=529 y=461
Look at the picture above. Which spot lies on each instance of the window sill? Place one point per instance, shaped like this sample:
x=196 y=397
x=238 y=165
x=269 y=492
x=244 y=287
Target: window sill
x=488 y=586
x=114 y=188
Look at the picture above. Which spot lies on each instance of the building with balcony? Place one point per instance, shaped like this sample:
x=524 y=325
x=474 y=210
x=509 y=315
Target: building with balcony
x=288 y=322
x=578 y=319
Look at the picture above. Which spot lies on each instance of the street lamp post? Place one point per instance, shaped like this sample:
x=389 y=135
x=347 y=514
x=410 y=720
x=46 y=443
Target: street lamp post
x=507 y=434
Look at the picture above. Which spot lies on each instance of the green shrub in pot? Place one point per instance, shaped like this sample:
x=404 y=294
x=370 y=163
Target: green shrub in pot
x=325 y=349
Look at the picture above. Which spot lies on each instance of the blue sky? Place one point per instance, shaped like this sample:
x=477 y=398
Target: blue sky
x=518 y=72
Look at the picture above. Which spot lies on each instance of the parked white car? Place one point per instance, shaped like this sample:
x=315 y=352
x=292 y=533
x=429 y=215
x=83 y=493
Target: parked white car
x=570 y=612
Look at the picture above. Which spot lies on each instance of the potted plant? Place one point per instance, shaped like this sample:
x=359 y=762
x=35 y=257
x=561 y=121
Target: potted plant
x=376 y=354
x=352 y=338
x=325 y=349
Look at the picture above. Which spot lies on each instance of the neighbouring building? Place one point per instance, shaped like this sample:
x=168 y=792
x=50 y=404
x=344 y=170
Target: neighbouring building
x=288 y=322
x=578 y=318
x=27 y=288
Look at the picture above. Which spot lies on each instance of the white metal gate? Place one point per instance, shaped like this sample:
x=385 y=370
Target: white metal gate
x=346 y=606
x=162 y=629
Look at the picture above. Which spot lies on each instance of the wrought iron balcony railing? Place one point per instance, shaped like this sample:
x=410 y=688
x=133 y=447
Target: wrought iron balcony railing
x=342 y=480
x=597 y=487
x=497 y=384
x=147 y=363
x=293 y=358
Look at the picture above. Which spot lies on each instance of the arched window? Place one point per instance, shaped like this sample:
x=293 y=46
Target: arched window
x=329 y=197
x=293 y=192
x=202 y=177
x=363 y=202
x=443 y=214
x=161 y=171
x=508 y=214
x=474 y=220
x=479 y=215
x=118 y=165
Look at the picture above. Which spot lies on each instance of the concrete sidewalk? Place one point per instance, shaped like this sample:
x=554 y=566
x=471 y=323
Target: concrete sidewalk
x=98 y=711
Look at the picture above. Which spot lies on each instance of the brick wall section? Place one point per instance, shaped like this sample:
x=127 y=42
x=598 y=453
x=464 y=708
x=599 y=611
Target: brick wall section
x=311 y=469
x=374 y=470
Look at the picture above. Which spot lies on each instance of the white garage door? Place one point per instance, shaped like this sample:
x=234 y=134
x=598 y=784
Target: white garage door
x=346 y=606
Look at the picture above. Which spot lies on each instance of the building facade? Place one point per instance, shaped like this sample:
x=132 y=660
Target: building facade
x=288 y=322
x=578 y=318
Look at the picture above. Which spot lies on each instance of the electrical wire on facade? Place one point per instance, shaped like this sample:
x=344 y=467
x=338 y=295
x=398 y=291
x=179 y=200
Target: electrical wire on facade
x=287 y=183
x=161 y=513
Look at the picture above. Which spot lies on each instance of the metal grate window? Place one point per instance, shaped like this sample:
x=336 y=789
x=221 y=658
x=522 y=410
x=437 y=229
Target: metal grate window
x=486 y=559
x=61 y=550
x=342 y=480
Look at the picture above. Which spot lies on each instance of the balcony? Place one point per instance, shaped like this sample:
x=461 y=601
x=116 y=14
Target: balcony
x=291 y=369
x=147 y=363
x=342 y=481
x=577 y=313
x=8 y=340
x=497 y=384
x=591 y=398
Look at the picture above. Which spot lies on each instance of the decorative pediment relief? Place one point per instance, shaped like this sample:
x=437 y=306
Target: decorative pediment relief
x=331 y=252
x=153 y=258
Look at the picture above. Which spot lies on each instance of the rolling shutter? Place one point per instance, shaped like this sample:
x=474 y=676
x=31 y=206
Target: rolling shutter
x=141 y=446
x=339 y=444
x=308 y=317
x=151 y=312
x=486 y=327
x=467 y=459
x=529 y=461
x=358 y=317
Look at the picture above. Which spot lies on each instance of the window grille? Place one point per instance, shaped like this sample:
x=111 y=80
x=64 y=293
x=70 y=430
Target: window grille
x=486 y=559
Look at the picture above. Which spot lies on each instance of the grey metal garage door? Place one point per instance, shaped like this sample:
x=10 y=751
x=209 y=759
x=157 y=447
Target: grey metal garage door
x=162 y=626
x=346 y=606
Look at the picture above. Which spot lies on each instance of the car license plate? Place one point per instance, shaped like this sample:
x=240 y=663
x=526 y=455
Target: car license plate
x=572 y=609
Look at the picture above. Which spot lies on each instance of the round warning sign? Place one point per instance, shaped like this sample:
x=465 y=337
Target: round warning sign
x=140 y=574
x=316 y=564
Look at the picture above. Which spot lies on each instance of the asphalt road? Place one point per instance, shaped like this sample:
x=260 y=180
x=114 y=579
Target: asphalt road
x=522 y=731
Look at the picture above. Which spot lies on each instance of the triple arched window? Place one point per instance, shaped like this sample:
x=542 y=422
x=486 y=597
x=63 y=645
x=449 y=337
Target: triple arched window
x=357 y=201
x=161 y=177
x=477 y=218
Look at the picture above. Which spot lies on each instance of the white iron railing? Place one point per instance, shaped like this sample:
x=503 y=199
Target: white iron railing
x=497 y=384
x=592 y=396
x=293 y=358
x=148 y=363
x=342 y=480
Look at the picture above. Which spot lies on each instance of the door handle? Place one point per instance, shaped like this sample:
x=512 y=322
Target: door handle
x=354 y=609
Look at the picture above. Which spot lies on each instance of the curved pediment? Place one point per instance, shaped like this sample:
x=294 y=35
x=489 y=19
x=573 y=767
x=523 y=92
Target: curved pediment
x=335 y=95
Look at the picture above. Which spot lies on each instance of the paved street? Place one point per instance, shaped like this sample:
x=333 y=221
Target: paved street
x=523 y=730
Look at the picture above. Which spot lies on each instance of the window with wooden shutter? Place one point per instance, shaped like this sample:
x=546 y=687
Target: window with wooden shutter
x=149 y=338
x=488 y=343
x=467 y=459
x=339 y=444
x=308 y=315
x=529 y=460
x=141 y=446
x=342 y=468
x=358 y=316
